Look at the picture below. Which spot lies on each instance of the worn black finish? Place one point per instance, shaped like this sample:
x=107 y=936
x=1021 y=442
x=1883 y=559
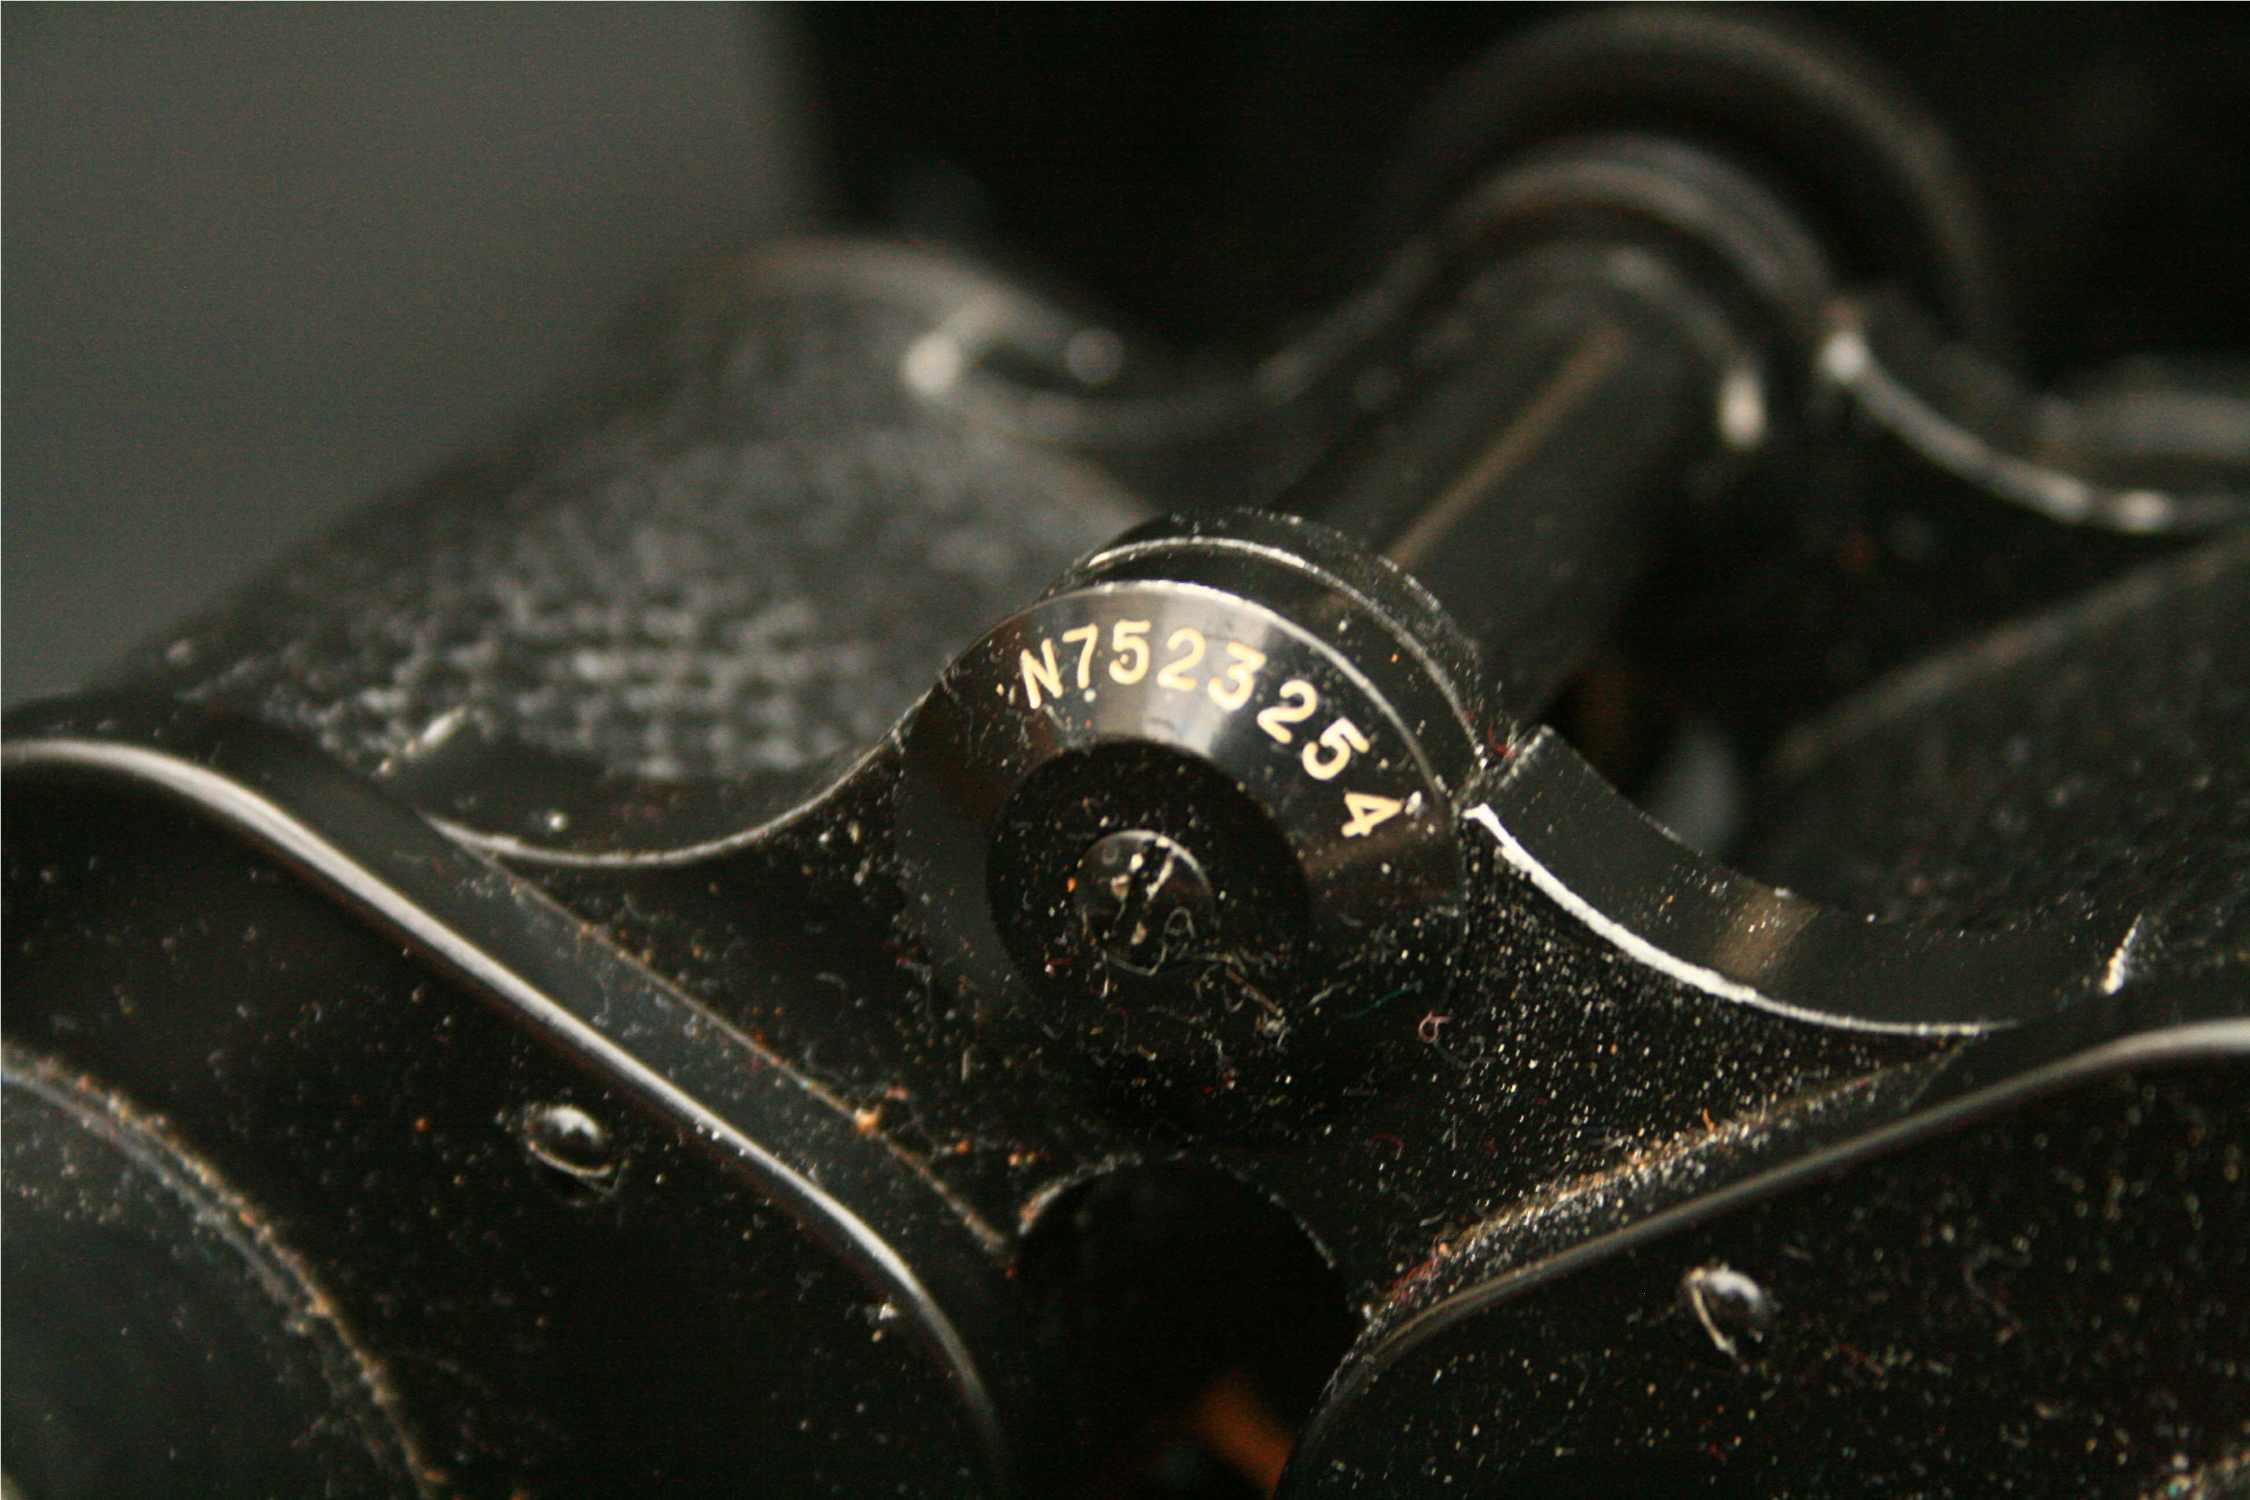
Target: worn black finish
x=385 y=1109
x=2108 y=733
x=160 y=1340
x=722 y=983
x=2034 y=1277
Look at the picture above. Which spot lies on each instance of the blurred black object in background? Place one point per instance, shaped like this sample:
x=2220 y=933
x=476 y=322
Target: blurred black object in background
x=264 y=262
x=1214 y=169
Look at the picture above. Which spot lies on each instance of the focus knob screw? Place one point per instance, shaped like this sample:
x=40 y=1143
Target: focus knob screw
x=1142 y=899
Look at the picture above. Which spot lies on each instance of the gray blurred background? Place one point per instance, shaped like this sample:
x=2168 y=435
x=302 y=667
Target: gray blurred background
x=265 y=261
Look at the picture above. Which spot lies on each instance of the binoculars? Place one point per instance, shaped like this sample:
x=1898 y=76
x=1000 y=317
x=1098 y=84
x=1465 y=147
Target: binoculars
x=1619 y=868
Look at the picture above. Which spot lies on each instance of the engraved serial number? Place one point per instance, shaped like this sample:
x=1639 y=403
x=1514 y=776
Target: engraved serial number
x=1237 y=682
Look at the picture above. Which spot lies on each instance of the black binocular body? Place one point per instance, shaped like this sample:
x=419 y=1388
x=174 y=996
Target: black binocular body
x=1618 y=868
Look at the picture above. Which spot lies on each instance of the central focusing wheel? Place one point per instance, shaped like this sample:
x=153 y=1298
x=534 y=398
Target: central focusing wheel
x=1193 y=811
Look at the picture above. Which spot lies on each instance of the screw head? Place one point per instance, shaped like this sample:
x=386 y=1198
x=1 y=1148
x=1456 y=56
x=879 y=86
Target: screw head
x=1143 y=899
x=572 y=1147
